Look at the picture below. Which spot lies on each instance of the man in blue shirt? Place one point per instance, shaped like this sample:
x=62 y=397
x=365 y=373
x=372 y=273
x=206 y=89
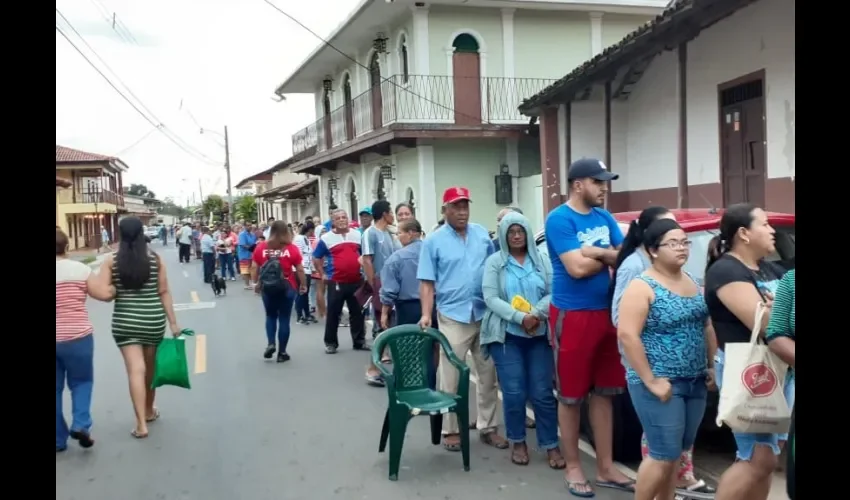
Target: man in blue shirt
x=247 y=242
x=583 y=239
x=452 y=264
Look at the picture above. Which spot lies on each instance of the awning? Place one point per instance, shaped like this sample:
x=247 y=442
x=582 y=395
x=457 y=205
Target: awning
x=297 y=191
x=275 y=192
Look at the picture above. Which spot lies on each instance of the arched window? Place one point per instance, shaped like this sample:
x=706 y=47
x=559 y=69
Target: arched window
x=403 y=60
x=349 y=109
x=325 y=129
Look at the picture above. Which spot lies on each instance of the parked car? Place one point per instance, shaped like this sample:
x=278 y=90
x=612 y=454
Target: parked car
x=701 y=225
x=152 y=232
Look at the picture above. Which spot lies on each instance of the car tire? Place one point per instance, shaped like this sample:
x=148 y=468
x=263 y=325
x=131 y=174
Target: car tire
x=626 y=433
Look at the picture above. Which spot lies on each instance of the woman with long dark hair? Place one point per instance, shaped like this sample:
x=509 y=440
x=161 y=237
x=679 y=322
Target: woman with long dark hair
x=667 y=340
x=737 y=278
x=142 y=304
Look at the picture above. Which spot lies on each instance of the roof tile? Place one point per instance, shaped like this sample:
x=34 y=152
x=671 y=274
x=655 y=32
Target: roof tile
x=64 y=154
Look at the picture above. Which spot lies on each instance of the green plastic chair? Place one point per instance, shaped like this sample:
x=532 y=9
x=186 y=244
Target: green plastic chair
x=408 y=391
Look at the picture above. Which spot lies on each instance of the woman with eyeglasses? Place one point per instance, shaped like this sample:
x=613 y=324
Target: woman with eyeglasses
x=666 y=337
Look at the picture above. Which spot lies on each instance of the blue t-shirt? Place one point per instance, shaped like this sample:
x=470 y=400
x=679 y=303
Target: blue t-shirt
x=568 y=230
x=247 y=239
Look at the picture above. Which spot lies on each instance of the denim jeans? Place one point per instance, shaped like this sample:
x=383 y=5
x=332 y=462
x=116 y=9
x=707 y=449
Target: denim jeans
x=209 y=266
x=747 y=441
x=302 y=301
x=74 y=363
x=670 y=426
x=278 y=313
x=525 y=367
x=226 y=263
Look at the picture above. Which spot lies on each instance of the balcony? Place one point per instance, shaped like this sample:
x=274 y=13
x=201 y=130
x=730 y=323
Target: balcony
x=422 y=99
x=97 y=195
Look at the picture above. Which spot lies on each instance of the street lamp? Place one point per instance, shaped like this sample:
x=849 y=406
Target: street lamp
x=93 y=189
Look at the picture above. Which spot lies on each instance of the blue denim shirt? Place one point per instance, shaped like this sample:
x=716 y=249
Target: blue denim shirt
x=456 y=266
x=207 y=244
x=398 y=276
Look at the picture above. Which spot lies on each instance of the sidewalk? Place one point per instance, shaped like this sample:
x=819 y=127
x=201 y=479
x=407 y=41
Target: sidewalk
x=90 y=256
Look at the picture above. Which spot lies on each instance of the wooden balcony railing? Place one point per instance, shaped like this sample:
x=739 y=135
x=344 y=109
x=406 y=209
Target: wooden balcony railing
x=422 y=99
x=97 y=195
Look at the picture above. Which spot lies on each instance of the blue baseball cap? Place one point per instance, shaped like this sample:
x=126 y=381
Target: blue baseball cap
x=365 y=210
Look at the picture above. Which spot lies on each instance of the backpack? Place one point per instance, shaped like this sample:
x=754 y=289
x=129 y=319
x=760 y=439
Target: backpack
x=271 y=276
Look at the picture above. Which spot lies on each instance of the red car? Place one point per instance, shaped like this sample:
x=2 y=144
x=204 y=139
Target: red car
x=702 y=225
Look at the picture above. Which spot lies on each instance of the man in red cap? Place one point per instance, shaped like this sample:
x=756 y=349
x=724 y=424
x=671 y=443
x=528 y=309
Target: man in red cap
x=452 y=264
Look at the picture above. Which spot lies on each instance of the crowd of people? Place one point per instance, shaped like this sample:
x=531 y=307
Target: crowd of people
x=602 y=314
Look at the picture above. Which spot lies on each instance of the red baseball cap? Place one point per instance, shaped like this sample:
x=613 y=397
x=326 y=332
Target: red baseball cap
x=455 y=194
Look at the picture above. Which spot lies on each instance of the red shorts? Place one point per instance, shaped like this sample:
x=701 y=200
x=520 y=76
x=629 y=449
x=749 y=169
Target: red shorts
x=587 y=357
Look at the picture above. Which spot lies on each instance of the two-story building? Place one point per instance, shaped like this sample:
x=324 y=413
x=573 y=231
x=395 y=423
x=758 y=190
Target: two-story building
x=414 y=97
x=282 y=193
x=142 y=207
x=93 y=199
x=694 y=109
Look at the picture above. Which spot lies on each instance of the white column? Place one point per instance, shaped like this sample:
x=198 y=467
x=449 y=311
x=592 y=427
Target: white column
x=323 y=202
x=595 y=33
x=562 y=146
x=365 y=188
x=289 y=212
x=427 y=200
x=512 y=157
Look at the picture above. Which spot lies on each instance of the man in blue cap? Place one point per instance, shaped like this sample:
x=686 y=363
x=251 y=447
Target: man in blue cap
x=366 y=218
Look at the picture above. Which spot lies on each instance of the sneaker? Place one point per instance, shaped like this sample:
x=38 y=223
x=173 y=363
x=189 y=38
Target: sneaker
x=362 y=347
x=312 y=319
x=233 y=278
x=269 y=352
x=375 y=380
x=282 y=357
x=302 y=321
x=329 y=349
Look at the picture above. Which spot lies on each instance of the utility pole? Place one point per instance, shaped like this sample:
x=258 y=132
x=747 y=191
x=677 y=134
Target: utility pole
x=201 y=190
x=227 y=168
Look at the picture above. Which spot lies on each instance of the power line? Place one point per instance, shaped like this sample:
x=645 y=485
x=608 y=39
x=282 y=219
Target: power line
x=114 y=22
x=136 y=142
x=355 y=61
x=149 y=116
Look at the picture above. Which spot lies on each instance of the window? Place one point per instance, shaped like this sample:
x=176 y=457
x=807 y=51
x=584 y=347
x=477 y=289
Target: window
x=403 y=60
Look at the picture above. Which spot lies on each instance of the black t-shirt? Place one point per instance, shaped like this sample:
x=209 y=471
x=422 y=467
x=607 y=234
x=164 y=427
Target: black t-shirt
x=728 y=269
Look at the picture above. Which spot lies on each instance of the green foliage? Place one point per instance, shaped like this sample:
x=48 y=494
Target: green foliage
x=246 y=208
x=140 y=190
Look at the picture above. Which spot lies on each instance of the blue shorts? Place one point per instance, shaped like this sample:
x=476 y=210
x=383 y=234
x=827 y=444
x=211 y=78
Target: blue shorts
x=670 y=427
x=747 y=441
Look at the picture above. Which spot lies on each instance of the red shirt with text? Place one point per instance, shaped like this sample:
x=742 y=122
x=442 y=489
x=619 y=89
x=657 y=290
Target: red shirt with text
x=289 y=256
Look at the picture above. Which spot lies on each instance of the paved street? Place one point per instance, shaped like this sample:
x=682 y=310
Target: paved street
x=256 y=430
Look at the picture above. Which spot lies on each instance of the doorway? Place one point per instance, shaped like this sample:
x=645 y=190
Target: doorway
x=742 y=140
x=325 y=130
x=375 y=84
x=466 y=71
x=352 y=197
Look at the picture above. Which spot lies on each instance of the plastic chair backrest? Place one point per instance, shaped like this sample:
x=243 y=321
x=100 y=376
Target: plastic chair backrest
x=410 y=348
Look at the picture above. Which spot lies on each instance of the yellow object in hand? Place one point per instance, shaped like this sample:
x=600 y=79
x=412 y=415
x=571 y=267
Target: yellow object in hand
x=520 y=304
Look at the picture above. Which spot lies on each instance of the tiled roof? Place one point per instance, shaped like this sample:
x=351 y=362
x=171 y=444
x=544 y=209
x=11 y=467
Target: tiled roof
x=679 y=18
x=69 y=155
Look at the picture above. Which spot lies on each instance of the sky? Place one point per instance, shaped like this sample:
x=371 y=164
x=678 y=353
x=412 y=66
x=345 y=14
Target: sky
x=193 y=64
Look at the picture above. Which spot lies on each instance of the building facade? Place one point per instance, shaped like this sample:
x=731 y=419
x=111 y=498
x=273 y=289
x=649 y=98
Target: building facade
x=93 y=199
x=709 y=121
x=425 y=97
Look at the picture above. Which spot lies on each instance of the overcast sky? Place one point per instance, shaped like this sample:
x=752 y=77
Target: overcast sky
x=221 y=58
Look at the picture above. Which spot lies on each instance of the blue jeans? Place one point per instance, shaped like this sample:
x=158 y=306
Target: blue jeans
x=226 y=263
x=525 y=367
x=74 y=363
x=302 y=301
x=747 y=441
x=278 y=313
x=670 y=427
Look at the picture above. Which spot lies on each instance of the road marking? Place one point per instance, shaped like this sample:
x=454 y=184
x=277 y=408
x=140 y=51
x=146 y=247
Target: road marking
x=200 y=353
x=583 y=445
x=192 y=306
x=185 y=273
x=195 y=297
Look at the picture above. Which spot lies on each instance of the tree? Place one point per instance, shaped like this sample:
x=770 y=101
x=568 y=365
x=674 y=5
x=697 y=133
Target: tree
x=140 y=190
x=168 y=207
x=246 y=208
x=216 y=205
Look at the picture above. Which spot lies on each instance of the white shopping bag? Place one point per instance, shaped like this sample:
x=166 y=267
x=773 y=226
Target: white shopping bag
x=752 y=396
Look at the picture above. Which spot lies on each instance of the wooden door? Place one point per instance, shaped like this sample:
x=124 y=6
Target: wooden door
x=466 y=69
x=377 y=101
x=349 y=114
x=742 y=144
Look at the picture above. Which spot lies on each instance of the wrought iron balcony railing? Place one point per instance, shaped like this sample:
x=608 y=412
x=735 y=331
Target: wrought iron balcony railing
x=422 y=99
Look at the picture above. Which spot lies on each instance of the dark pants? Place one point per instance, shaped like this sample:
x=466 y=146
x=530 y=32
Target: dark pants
x=278 y=313
x=209 y=266
x=409 y=312
x=185 y=251
x=340 y=294
x=302 y=301
x=74 y=364
x=226 y=265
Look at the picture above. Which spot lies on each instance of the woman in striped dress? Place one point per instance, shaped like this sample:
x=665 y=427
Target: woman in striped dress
x=142 y=304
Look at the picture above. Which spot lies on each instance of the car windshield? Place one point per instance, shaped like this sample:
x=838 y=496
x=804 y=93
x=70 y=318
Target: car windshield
x=784 y=255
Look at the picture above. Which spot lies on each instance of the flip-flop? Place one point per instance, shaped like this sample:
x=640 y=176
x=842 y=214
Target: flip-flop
x=155 y=416
x=571 y=487
x=137 y=435
x=557 y=464
x=450 y=446
x=520 y=458
x=614 y=485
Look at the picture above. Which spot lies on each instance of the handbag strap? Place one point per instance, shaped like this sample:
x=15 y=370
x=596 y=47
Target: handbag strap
x=761 y=309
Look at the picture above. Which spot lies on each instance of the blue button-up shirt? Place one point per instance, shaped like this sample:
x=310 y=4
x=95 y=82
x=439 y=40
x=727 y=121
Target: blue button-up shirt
x=398 y=276
x=456 y=266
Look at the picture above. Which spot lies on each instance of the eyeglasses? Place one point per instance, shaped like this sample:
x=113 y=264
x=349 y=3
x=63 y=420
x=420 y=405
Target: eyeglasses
x=677 y=245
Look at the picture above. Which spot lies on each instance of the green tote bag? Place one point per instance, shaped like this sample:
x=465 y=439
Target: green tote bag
x=172 y=367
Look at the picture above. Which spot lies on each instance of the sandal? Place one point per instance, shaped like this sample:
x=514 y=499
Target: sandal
x=155 y=416
x=573 y=488
x=136 y=434
x=519 y=455
x=556 y=460
x=488 y=439
x=451 y=446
